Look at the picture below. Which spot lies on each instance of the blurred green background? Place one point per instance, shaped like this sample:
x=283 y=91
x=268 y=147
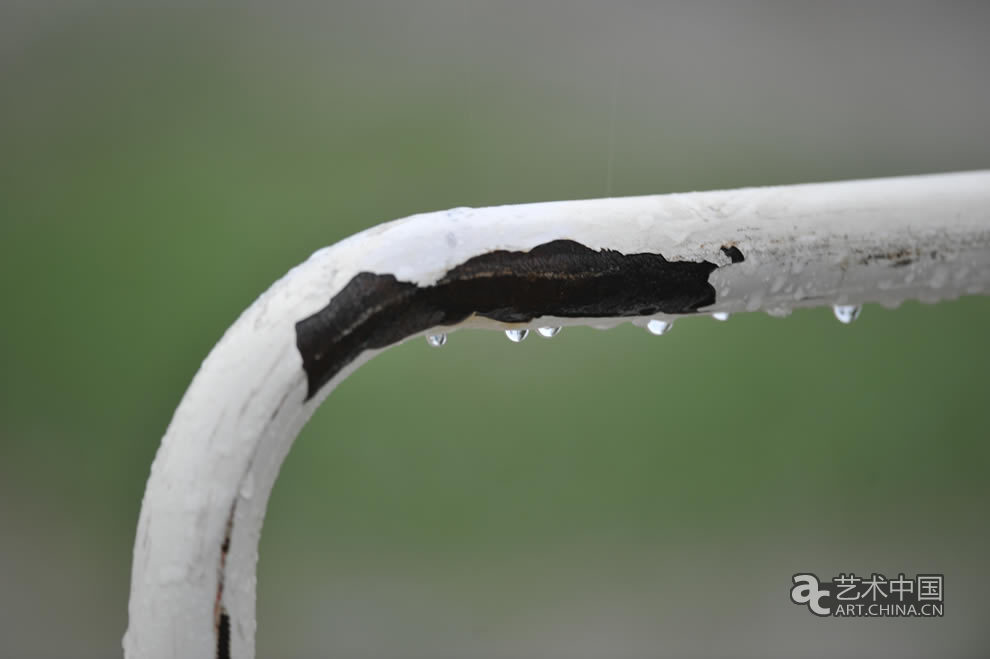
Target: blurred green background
x=604 y=494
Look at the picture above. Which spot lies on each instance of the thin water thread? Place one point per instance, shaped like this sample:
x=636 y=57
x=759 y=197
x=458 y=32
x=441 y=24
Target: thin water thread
x=610 y=158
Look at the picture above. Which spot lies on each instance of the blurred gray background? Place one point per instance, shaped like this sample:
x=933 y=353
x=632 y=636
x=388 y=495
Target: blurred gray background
x=604 y=494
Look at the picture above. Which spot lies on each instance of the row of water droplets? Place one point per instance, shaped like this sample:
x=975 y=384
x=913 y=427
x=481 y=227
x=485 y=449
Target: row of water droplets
x=514 y=335
x=845 y=313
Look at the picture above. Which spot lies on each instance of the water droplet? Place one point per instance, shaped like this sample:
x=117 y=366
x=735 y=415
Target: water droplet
x=779 y=312
x=548 y=332
x=517 y=335
x=721 y=315
x=436 y=340
x=659 y=327
x=846 y=313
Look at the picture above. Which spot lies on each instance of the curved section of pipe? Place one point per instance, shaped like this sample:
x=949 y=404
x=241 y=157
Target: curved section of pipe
x=597 y=262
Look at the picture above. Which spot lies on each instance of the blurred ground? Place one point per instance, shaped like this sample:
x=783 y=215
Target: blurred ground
x=601 y=494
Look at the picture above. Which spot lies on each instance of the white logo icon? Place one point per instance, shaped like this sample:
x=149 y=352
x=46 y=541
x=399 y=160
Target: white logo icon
x=806 y=591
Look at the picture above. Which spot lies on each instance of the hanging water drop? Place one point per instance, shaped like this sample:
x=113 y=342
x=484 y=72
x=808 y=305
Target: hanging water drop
x=846 y=313
x=548 y=332
x=659 y=327
x=436 y=340
x=517 y=335
x=779 y=312
x=721 y=315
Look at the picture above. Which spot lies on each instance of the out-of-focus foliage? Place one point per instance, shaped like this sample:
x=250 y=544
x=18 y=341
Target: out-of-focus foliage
x=600 y=494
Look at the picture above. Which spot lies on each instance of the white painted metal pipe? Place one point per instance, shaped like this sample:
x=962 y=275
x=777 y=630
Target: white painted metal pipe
x=771 y=249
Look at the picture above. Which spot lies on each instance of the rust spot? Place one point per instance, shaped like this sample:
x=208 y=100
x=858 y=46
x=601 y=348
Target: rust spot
x=733 y=253
x=220 y=617
x=223 y=637
x=560 y=278
x=898 y=257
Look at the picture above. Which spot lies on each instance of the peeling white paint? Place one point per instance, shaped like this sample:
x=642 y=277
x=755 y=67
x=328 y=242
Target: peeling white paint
x=883 y=241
